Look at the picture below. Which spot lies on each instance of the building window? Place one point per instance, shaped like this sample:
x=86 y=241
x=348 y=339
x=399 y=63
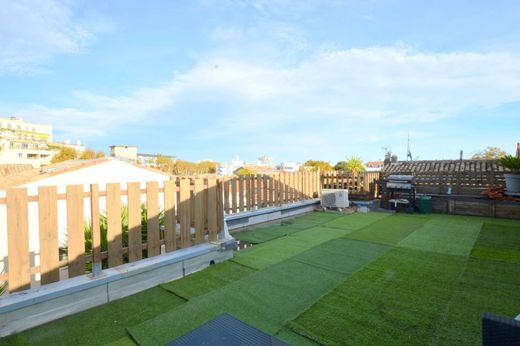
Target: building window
x=20 y=155
x=25 y=146
x=32 y=156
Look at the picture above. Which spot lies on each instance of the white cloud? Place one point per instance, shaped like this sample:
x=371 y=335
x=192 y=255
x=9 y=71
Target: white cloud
x=358 y=95
x=32 y=32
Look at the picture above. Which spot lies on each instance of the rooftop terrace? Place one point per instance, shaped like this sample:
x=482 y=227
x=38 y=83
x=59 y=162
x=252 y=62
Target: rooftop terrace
x=328 y=278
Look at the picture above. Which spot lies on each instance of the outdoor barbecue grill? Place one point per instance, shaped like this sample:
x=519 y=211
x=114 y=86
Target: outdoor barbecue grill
x=400 y=190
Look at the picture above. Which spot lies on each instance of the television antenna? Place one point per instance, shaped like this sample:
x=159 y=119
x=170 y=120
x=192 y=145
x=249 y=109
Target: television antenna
x=408 y=152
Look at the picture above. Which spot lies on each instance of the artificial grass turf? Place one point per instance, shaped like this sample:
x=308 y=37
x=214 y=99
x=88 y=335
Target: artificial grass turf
x=266 y=299
x=101 y=325
x=261 y=235
x=390 y=230
x=263 y=255
x=446 y=234
x=486 y=285
x=353 y=222
x=207 y=280
x=498 y=241
x=397 y=299
x=342 y=255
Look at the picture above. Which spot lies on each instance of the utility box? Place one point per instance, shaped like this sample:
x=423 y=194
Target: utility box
x=425 y=205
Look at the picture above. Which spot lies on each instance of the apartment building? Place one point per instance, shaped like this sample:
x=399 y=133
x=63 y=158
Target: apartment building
x=23 y=142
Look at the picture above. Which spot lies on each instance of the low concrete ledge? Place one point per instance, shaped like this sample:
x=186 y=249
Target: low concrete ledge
x=30 y=308
x=254 y=217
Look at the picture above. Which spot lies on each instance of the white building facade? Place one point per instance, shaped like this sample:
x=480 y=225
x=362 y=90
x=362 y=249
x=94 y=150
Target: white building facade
x=29 y=143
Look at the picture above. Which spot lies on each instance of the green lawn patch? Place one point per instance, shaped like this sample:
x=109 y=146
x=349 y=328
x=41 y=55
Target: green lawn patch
x=322 y=216
x=446 y=234
x=207 y=280
x=342 y=255
x=263 y=255
x=266 y=299
x=397 y=299
x=390 y=230
x=101 y=325
x=486 y=285
x=498 y=241
x=263 y=234
x=353 y=222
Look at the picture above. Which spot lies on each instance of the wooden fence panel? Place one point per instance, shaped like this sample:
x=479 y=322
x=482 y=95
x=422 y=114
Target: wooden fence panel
x=227 y=202
x=19 y=267
x=48 y=234
x=153 y=235
x=198 y=190
x=271 y=190
x=135 y=249
x=241 y=205
x=248 y=193
x=114 y=226
x=185 y=212
x=75 y=232
x=259 y=191
x=170 y=221
x=96 y=229
x=265 y=188
x=212 y=210
x=234 y=204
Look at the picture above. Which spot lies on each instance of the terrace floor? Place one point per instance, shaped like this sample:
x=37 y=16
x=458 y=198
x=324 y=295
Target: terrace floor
x=329 y=278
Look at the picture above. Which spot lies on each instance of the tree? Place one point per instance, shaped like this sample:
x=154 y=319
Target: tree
x=322 y=165
x=490 y=153
x=340 y=166
x=64 y=154
x=165 y=164
x=182 y=167
x=87 y=154
x=354 y=164
x=100 y=154
x=207 y=167
x=244 y=171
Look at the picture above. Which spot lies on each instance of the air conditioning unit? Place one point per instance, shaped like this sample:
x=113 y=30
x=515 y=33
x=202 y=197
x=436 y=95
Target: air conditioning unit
x=334 y=198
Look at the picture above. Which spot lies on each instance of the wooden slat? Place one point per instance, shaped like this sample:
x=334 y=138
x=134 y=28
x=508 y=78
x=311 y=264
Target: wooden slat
x=286 y=188
x=48 y=230
x=234 y=204
x=212 y=210
x=248 y=192
x=170 y=221
x=19 y=267
x=185 y=212
x=135 y=251
x=94 y=222
x=199 y=210
x=253 y=190
x=259 y=201
x=271 y=190
x=227 y=203
x=114 y=226
x=152 y=210
x=75 y=233
x=241 y=205
x=265 y=182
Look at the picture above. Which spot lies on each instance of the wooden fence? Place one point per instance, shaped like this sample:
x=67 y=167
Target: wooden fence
x=362 y=185
x=128 y=222
x=191 y=214
x=464 y=177
x=248 y=192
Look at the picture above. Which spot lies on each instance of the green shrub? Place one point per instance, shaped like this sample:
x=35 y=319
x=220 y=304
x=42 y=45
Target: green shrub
x=511 y=162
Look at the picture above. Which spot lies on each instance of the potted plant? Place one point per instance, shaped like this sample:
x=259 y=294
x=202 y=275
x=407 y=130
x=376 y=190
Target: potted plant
x=513 y=177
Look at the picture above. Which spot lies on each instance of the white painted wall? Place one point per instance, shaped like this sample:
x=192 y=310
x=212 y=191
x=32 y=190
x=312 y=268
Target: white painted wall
x=105 y=172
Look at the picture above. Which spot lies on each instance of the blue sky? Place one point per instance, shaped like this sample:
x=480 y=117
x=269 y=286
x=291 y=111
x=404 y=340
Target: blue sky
x=295 y=80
